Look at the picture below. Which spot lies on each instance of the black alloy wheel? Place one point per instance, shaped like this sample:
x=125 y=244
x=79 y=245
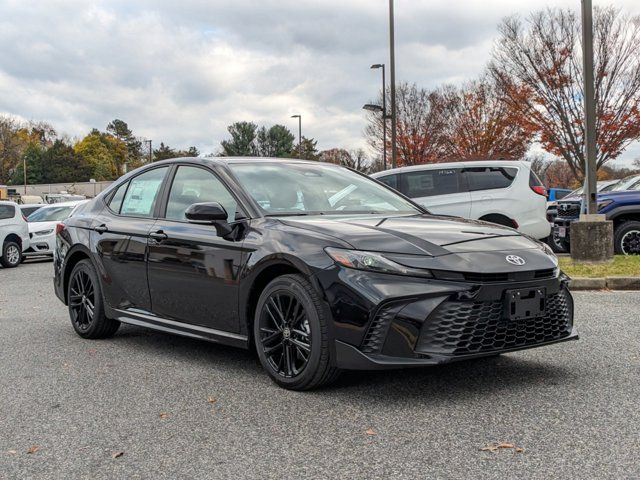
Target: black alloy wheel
x=284 y=334
x=86 y=308
x=627 y=238
x=82 y=299
x=291 y=334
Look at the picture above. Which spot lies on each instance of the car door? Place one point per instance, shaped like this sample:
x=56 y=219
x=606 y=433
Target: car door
x=487 y=186
x=193 y=272
x=120 y=238
x=441 y=190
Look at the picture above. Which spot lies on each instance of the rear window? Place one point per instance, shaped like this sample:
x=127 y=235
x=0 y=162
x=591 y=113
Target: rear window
x=7 y=211
x=490 y=178
x=534 y=181
x=390 y=180
x=428 y=183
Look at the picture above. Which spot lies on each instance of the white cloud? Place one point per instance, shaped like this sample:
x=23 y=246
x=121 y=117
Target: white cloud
x=181 y=72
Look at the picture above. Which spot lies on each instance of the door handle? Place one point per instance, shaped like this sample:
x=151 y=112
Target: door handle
x=158 y=236
x=101 y=229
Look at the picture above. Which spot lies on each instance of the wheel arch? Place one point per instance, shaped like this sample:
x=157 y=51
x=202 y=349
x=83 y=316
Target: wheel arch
x=12 y=237
x=260 y=278
x=499 y=218
x=75 y=255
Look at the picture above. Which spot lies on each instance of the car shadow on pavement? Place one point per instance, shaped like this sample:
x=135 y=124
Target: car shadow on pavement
x=434 y=384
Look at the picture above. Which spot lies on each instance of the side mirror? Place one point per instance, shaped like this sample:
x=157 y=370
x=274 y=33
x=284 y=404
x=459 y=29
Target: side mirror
x=206 y=213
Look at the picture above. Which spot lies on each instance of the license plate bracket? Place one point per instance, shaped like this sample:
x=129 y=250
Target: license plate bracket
x=525 y=303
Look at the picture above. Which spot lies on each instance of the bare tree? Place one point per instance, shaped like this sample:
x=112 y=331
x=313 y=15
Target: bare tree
x=480 y=125
x=356 y=159
x=538 y=64
x=420 y=126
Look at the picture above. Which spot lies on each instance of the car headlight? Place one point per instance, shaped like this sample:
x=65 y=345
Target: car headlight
x=604 y=203
x=372 y=261
x=44 y=232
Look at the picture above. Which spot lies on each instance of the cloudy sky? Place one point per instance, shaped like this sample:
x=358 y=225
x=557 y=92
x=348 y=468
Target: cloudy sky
x=181 y=71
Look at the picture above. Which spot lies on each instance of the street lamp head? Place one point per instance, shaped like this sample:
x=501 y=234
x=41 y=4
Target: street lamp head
x=377 y=65
x=372 y=107
x=296 y=116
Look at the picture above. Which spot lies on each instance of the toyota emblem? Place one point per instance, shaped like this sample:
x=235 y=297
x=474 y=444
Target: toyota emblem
x=515 y=260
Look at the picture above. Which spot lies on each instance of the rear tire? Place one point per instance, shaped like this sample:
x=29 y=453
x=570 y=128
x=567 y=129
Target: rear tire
x=86 y=304
x=626 y=238
x=11 y=254
x=291 y=335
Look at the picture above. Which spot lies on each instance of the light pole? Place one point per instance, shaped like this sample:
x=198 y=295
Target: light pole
x=392 y=50
x=24 y=172
x=384 y=112
x=299 y=117
x=378 y=109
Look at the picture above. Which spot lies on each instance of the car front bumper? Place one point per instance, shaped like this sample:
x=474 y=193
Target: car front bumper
x=41 y=245
x=385 y=321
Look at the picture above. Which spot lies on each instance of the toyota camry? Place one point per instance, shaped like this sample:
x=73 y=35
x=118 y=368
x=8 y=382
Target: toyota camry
x=316 y=267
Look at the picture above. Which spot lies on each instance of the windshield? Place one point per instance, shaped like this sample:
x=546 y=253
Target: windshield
x=304 y=189
x=50 y=214
x=626 y=183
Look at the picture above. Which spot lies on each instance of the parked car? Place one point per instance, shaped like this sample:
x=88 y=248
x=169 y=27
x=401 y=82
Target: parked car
x=555 y=194
x=316 y=267
x=504 y=192
x=559 y=245
x=14 y=234
x=42 y=226
x=28 y=209
x=621 y=204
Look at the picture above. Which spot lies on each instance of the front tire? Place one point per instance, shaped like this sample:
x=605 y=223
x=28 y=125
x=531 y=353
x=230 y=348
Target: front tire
x=626 y=238
x=86 y=305
x=291 y=335
x=11 y=254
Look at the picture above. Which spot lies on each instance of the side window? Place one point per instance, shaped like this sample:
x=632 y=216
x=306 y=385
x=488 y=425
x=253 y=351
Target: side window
x=490 y=178
x=390 y=180
x=428 y=183
x=116 y=199
x=142 y=193
x=197 y=185
x=7 y=211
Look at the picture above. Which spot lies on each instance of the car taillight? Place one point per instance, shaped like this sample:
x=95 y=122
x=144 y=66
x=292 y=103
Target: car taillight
x=540 y=190
x=60 y=228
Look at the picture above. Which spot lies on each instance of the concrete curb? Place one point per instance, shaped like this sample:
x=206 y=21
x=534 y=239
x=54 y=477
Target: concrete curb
x=610 y=283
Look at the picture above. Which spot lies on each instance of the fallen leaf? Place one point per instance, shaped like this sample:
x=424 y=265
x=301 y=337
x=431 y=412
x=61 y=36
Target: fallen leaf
x=164 y=415
x=494 y=447
x=92 y=351
x=371 y=431
x=212 y=400
x=12 y=452
x=117 y=454
x=33 y=449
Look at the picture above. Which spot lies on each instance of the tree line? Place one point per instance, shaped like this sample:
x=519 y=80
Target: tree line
x=53 y=158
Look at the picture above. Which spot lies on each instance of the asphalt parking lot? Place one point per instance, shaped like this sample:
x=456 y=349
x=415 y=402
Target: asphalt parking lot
x=149 y=405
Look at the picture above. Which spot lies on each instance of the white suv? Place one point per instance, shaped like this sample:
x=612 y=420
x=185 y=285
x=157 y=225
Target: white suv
x=503 y=192
x=14 y=234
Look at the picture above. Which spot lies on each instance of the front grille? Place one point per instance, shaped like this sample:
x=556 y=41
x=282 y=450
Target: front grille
x=568 y=210
x=459 y=327
x=500 y=277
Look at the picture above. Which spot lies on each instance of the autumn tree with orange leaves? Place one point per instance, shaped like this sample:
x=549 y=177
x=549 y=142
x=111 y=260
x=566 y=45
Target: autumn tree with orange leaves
x=420 y=126
x=480 y=125
x=538 y=65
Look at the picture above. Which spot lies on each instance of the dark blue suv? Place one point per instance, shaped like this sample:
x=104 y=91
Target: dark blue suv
x=621 y=205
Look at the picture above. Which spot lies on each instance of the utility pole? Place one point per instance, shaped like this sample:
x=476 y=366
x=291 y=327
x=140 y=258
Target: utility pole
x=592 y=235
x=150 y=150
x=590 y=180
x=392 y=42
x=24 y=172
x=299 y=117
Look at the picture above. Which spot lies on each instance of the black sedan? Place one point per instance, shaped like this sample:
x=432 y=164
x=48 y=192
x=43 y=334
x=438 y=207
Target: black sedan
x=316 y=267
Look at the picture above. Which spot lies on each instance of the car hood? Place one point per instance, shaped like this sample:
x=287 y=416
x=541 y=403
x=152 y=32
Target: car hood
x=40 y=226
x=415 y=234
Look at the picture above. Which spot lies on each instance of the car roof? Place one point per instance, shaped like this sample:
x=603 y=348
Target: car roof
x=64 y=204
x=9 y=202
x=464 y=164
